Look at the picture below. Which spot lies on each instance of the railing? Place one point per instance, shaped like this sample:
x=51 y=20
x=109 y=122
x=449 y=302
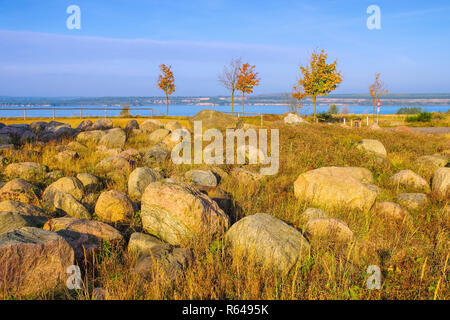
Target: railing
x=80 y=109
x=243 y=114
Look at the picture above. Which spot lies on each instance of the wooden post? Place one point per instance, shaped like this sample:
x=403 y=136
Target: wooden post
x=344 y=121
x=351 y=123
x=81 y=113
x=24 y=114
x=367 y=119
x=105 y=113
x=53 y=113
x=261 y=119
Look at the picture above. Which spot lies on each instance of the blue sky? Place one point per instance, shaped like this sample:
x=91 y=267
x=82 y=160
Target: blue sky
x=121 y=43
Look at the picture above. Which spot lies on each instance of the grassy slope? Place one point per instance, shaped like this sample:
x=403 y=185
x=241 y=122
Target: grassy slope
x=413 y=257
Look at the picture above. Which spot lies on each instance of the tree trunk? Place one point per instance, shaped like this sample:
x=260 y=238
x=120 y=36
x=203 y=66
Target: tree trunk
x=374 y=106
x=315 y=104
x=243 y=99
x=167 y=104
x=232 y=101
x=299 y=107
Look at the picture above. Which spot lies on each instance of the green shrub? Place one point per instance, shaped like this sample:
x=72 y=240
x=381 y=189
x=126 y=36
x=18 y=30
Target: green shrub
x=333 y=109
x=409 y=110
x=421 y=117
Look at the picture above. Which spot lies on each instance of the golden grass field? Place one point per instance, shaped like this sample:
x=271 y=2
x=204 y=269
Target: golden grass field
x=413 y=256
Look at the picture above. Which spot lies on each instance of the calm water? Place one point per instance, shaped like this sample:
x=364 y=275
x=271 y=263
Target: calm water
x=180 y=110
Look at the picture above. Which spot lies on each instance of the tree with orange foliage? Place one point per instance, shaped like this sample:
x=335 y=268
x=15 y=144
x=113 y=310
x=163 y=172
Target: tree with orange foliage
x=299 y=93
x=376 y=90
x=247 y=80
x=166 y=82
x=319 y=77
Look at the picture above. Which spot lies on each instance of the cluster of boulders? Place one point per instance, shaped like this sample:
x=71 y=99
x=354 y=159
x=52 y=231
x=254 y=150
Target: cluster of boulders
x=45 y=228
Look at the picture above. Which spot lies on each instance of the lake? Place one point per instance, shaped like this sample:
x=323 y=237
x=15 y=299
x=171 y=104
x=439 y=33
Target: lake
x=189 y=110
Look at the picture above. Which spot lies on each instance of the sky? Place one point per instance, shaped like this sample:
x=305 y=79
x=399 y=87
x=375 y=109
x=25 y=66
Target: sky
x=120 y=45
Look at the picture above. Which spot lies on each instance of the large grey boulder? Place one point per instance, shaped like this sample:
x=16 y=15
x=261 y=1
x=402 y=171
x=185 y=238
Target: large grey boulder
x=26 y=170
x=139 y=179
x=212 y=119
x=69 y=185
x=335 y=188
x=23 y=209
x=412 y=201
x=114 y=206
x=205 y=178
x=176 y=212
x=90 y=137
x=408 y=178
x=89 y=181
x=114 y=138
x=434 y=161
x=84 y=236
x=158 y=152
x=267 y=240
x=374 y=147
x=391 y=211
x=441 y=183
x=151 y=125
x=293 y=118
x=22 y=191
x=33 y=260
x=102 y=124
x=10 y=221
x=328 y=228
x=158 y=135
x=143 y=244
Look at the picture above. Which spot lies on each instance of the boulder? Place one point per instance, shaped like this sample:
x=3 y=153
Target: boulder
x=223 y=199
x=435 y=161
x=143 y=244
x=312 y=213
x=65 y=202
x=90 y=137
x=361 y=174
x=67 y=156
x=391 y=211
x=33 y=260
x=172 y=126
x=26 y=170
x=212 y=119
x=441 y=183
x=114 y=206
x=158 y=152
x=85 y=125
x=176 y=212
x=28 y=137
x=161 y=264
x=10 y=221
x=54 y=175
x=76 y=146
x=131 y=155
x=204 y=178
x=131 y=125
x=268 y=241
x=325 y=188
x=158 y=135
x=114 y=138
x=139 y=179
x=408 y=178
x=102 y=124
x=328 y=228
x=173 y=139
x=69 y=185
x=24 y=209
x=84 y=236
x=293 y=118
x=245 y=176
x=21 y=191
x=151 y=125
x=374 y=147
x=114 y=163
x=5 y=139
x=89 y=181
x=412 y=201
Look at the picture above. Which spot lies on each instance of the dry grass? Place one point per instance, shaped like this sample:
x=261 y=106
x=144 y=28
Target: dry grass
x=413 y=256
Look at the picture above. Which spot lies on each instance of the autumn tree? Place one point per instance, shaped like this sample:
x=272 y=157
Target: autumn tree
x=166 y=82
x=229 y=77
x=247 y=80
x=376 y=90
x=319 y=78
x=299 y=94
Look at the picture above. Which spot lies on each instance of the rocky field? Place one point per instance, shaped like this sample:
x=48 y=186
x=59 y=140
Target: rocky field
x=109 y=200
